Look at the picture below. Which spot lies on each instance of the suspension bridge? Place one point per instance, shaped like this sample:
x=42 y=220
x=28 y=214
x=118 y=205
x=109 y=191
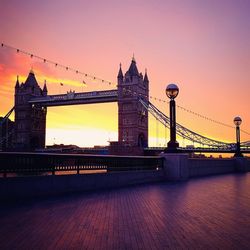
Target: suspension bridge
x=72 y=98
x=132 y=96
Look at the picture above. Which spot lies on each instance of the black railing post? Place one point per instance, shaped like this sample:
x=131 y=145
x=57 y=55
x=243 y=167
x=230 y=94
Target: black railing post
x=53 y=170
x=77 y=165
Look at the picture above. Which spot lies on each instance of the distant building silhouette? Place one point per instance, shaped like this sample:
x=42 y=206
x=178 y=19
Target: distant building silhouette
x=6 y=134
x=30 y=120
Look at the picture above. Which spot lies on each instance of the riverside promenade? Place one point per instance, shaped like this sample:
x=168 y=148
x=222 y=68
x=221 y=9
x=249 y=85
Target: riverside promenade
x=205 y=213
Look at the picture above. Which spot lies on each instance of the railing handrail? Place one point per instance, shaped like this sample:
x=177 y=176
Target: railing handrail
x=80 y=155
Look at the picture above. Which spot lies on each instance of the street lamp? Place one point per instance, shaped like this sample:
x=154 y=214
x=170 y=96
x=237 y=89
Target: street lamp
x=237 y=122
x=172 y=91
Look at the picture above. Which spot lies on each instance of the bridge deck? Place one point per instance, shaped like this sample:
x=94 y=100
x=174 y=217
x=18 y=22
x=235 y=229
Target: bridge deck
x=72 y=98
x=208 y=213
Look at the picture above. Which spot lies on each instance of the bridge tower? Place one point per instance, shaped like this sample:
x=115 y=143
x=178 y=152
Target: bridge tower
x=132 y=117
x=30 y=120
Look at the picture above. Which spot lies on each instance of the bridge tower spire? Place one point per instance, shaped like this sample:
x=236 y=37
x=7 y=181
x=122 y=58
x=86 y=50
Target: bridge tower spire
x=120 y=74
x=17 y=83
x=45 y=90
x=132 y=117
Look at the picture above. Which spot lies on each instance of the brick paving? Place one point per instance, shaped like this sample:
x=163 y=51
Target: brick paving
x=205 y=213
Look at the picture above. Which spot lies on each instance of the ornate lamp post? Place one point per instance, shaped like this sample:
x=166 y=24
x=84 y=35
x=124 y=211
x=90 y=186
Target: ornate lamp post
x=237 y=122
x=172 y=91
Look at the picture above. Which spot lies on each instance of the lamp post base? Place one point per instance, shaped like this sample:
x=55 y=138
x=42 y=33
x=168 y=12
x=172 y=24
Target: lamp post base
x=172 y=147
x=238 y=154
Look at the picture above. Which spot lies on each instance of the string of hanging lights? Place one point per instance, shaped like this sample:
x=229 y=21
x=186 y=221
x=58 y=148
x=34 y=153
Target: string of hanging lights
x=56 y=64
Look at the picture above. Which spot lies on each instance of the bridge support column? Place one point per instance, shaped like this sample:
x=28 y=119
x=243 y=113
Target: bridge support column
x=176 y=167
x=241 y=164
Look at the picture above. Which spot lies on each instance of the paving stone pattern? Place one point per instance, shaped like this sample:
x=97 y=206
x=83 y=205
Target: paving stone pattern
x=204 y=213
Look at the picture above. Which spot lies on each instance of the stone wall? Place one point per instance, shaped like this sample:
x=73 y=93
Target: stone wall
x=202 y=167
x=37 y=186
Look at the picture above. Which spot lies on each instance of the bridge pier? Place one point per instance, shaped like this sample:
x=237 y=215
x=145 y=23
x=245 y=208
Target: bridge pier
x=241 y=164
x=176 y=166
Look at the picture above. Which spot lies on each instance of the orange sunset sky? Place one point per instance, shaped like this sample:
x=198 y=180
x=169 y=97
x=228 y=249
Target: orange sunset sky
x=203 y=46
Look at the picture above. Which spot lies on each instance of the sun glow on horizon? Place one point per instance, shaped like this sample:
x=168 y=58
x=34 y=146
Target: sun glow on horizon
x=83 y=137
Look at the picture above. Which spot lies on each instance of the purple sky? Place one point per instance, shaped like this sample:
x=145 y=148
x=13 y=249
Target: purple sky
x=203 y=46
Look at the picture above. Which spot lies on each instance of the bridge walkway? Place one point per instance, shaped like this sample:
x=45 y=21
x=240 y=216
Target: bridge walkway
x=207 y=213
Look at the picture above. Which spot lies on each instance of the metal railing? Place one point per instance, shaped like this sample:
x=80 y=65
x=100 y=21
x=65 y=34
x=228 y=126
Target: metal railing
x=35 y=163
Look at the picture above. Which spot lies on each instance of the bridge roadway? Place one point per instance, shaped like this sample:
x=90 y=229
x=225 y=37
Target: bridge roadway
x=205 y=213
x=157 y=150
x=72 y=98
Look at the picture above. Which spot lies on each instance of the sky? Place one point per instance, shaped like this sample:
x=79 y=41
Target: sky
x=202 y=46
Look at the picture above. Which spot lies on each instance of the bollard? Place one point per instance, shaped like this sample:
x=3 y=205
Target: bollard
x=241 y=164
x=176 y=166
